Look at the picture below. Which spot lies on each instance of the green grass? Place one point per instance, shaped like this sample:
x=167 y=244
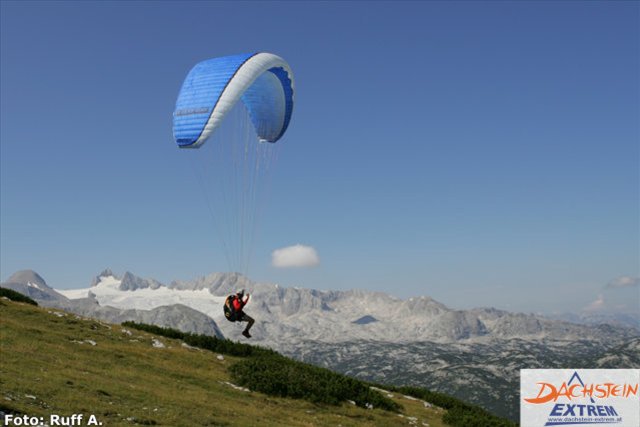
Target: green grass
x=49 y=366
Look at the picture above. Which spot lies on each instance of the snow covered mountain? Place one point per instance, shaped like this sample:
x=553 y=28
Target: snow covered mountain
x=285 y=315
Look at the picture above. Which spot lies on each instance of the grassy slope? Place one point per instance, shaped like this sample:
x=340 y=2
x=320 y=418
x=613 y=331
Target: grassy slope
x=48 y=367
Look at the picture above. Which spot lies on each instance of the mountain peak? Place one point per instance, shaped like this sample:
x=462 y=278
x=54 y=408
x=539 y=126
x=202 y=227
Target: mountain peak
x=31 y=284
x=25 y=277
x=105 y=273
x=364 y=320
x=424 y=305
x=131 y=282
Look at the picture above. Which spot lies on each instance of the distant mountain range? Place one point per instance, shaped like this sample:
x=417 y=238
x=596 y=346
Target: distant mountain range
x=631 y=320
x=473 y=354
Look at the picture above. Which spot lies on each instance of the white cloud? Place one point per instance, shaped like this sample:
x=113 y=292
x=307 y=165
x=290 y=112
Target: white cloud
x=295 y=256
x=597 y=305
x=624 y=282
x=620 y=295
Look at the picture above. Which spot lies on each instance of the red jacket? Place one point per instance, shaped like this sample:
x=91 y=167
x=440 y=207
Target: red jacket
x=238 y=303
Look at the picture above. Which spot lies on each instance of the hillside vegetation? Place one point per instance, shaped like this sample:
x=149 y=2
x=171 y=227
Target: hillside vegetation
x=56 y=363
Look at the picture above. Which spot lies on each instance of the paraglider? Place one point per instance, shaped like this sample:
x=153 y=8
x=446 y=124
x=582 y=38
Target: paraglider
x=233 y=310
x=263 y=81
x=233 y=109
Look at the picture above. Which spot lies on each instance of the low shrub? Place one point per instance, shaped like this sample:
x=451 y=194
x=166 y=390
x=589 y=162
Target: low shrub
x=206 y=342
x=279 y=376
x=16 y=296
x=459 y=413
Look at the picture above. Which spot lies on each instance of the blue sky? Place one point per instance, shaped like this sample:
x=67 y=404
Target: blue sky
x=482 y=153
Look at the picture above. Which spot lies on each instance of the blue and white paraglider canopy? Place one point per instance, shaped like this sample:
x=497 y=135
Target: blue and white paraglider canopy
x=263 y=81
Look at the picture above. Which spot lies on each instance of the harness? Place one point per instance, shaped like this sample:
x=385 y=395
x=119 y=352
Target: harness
x=229 y=310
